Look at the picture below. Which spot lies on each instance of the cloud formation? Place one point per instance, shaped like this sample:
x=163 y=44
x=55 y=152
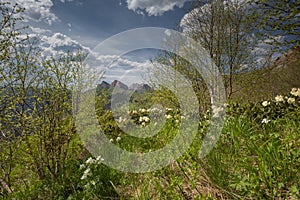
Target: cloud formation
x=55 y=43
x=37 y=11
x=154 y=7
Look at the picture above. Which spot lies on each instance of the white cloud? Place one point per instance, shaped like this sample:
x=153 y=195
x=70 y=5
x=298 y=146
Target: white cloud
x=39 y=30
x=154 y=7
x=38 y=11
x=119 y=68
x=129 y=71
x=55 y=43
x=64 y=1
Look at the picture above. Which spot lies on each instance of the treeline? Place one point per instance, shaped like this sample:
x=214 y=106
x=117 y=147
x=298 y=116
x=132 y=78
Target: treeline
x=37 y=133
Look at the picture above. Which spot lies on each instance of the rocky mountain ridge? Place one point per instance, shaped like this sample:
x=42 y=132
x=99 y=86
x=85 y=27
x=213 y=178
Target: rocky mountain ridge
x=137 y=87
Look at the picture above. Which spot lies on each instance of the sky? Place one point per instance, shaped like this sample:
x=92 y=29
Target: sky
x=63 y=25
x=69 y=25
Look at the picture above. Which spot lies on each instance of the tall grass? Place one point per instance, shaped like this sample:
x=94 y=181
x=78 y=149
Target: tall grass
x=256 y=157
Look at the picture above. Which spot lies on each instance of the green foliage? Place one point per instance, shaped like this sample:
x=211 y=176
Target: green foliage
x=258 y=158
x=97 y=181
x=42 y=157
x=280 y=17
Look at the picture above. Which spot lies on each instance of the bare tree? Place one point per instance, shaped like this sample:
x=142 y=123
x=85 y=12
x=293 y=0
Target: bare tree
x=226 y=30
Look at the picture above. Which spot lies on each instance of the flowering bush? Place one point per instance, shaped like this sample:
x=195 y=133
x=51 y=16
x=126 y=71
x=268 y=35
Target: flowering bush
x=257 y=155
x=269 y=110
x=97 y=180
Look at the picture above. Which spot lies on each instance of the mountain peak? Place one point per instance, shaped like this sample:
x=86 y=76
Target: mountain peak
x=119 y=84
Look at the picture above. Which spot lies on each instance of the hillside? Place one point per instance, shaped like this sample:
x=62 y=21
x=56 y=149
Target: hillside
x=279 y=78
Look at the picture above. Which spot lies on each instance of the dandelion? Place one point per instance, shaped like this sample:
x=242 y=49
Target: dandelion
x=265 y=103
x=265 y=121
x=279 y=98
x=118 y=139
x=291 y=100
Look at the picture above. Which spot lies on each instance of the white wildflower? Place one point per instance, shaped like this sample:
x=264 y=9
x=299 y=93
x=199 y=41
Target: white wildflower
x=134 y=112
x=142 y=110
x=93 y=182
x=143 y=124
x=83 y=177
x=168 y=116
x=279 y=98
x=141 y=119
x=86 y=173
x=111 y=140
x=120 y=120
x=177 y=121
x=265 y=103
x=216 y=110
x=82 y=166
x=118 y=139
x=154 y=110
x=265 y=121
x=291 y=100
x=295 y=92
x=90 y=160
x=146 y=119
x=99 y=158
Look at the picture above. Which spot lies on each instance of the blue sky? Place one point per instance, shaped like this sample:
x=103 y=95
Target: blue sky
x=91 y=21
x=94 y=20
x=63 y=25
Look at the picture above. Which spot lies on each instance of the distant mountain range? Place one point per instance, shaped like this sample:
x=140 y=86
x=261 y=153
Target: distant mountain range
x=136 y=91
x=137 y=87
